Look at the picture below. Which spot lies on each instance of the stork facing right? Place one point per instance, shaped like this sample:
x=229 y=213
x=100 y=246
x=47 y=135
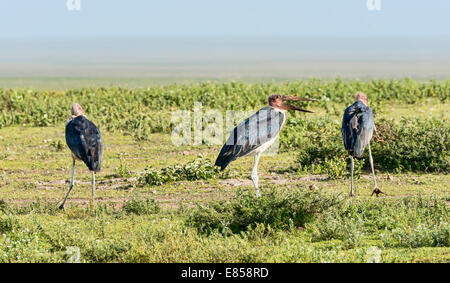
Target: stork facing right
x=258 y=132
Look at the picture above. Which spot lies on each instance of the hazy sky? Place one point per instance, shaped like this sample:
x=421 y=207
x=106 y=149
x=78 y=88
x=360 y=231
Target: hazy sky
x=226 y=38
x=207 y=18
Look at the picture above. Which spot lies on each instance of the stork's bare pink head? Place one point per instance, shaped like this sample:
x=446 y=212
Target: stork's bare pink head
x=76 y=109
x=361 y=96
x=279 y=101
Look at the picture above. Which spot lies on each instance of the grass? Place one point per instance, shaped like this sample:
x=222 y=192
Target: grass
x=33 y=230
x=212 y=217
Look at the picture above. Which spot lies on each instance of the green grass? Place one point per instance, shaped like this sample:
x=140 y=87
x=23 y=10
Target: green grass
x=201 y=216
x=124 y=227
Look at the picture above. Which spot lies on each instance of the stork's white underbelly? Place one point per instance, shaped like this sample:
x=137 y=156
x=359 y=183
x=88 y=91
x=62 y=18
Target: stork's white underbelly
x=264 y=146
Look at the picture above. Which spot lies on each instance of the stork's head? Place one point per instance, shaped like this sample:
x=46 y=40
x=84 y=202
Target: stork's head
x=361 y=96
x=279 y=101
x=76 y=110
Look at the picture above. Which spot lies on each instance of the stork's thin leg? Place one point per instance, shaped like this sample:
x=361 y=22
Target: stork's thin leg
x=93 y=187
x=371 y=165
x=71 y=185
x=352 y=169
x=255 y=174
x=376 y=190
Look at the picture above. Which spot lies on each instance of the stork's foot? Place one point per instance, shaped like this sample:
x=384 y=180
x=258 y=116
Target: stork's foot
x=376 y=191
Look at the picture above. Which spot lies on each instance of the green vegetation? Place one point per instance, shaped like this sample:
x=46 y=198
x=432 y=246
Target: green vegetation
x=410 y=222
x=273 y=228
x=411 y=144
x=141 y=206
x=139 y=112
x=277 y=210
x=157 y=202
x=199 y=169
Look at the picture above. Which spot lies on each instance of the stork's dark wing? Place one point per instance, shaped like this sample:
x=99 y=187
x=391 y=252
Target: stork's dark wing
x=357 y=128
x=85 y=142
x=256 y=130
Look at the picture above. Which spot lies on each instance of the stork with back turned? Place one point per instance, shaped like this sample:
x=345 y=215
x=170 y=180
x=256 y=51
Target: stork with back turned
x=85 y=142
x=357 y=131
x=258 y=132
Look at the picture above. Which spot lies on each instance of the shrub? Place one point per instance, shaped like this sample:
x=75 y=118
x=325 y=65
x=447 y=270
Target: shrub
x=122 y=170
x=409 y=144
x=419 y=236
x=36 y=207
x=413 y=145
x=141 y=207
x=279 y=210
x=7 y=223
x=199 y=169
x=409 y=222
x=57 y=145
x=3 y=205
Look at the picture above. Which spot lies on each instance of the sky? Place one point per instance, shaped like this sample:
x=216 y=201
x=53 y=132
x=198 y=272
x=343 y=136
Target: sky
x=225 y=38
x=224 y=18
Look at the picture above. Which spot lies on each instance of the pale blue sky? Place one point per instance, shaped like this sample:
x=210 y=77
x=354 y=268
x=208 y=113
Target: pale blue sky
x=213 y=18
x=225 y=38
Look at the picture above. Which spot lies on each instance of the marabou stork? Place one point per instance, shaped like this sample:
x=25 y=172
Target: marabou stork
x=85 y=142
x=258 y=132
x=357 y=131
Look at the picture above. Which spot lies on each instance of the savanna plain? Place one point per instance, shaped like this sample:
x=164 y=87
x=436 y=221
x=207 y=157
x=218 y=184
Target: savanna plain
x=160 y=202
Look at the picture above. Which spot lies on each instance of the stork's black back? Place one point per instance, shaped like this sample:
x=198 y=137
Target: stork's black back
x=357 y=128
x=267 y=123
x=85 y=142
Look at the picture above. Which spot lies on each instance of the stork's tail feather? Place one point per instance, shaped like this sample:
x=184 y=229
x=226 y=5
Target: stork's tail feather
x=224 y=158
x=356 y=152
x=222 y=162
x=94 y=165
x=94 y=160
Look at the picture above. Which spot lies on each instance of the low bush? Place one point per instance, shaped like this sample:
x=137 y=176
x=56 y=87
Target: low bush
x=199 y=169
x=410 y=222
x=413 y=145
x=35 y=207
x=404 y=145
x=7 y=223
x=281 y=210
x=141 y=206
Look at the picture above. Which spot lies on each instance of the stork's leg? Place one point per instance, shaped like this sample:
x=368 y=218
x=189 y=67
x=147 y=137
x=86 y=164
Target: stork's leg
x=352 y=169
x=93 y=187
x=71 y=186
x=376 y=190
x=255 y=174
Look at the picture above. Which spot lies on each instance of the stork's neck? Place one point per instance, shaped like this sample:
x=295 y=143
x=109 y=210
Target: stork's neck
x=278 y=109
x=73 y=117
x=362 y=101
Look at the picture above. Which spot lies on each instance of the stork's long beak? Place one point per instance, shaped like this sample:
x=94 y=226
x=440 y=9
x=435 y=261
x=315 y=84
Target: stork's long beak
x=295 y=98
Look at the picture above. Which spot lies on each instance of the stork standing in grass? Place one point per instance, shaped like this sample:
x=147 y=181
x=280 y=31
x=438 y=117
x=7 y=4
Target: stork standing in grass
x=85 y=142
x=258 y=132
x=357 y=131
